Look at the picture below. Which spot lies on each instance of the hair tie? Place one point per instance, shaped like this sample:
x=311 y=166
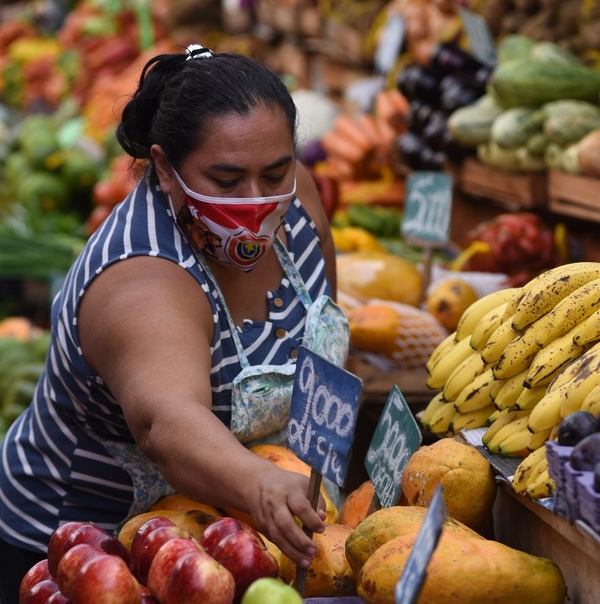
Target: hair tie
x=196 y=51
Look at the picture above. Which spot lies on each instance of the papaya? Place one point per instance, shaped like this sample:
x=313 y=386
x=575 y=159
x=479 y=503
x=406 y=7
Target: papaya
x=464 y=570
x=175 y=501
x=126 y=530
x=448 y=300
x=329 y=574
x=388 y=523
x=357 y=504
x=466 y=477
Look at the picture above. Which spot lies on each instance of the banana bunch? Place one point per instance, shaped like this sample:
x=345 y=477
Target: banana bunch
x=532 y=477
x=520 y=360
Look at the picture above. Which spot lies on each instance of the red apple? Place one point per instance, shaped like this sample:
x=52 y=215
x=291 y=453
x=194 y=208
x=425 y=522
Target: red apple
x=58 y=598
x=71 y=563
x=163 y=561
x=218 y=529
x=95 y=535
x=148 y=548
x=57 y=546
x=147 y=597
x=40 y=592
x=104 y=579
x=38 y=572
x=197 y=578
x=247 y=558
x=137 y=543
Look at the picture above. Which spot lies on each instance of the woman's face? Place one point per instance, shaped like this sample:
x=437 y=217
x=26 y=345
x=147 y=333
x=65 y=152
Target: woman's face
x=242 y=156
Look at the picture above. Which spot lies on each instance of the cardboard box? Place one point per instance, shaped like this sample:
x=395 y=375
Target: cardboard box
x=510 y=189
x=574 y=195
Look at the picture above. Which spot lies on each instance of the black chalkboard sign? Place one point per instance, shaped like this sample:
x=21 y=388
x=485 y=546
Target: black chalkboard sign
x=397 y=436
x=323 y=414
x=481 y=41
x=414 y=574
x=427 y=208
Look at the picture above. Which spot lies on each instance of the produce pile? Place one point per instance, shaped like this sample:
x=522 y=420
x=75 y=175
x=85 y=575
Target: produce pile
x=520 y=362
x=180 y=550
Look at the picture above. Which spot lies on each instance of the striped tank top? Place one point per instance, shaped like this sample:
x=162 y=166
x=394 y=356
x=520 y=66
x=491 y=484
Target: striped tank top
x=53 y=469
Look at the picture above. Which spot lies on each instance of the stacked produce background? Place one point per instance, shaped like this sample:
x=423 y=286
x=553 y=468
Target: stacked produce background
x=504 y=332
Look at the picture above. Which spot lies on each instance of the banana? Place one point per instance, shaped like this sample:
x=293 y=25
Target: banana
x=471 y=419
x=552 y=359
x=558 y=283
x=440 y=371
x=476 y=394
x=588 y=330
x=514 y=426
x=575 y=391
x=440 y=421
x=542 y=486
x=522 y=442
x=518 y=354
x=589 y=358
x=432 y=406
x=569 y=312
x=525 y=469
x=445 y=346
x=510 y=391
x=546 y=413
x=472 y=315
x=486 y=326
x=530 y=397
x=462 y=375
x=498 y=341
x=591 y=403
x=497 y=421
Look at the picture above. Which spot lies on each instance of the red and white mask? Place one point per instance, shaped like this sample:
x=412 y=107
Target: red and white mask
x=238 y=230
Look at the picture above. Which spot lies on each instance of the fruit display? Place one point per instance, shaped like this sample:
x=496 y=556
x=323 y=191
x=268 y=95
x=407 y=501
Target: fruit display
x=521 y=361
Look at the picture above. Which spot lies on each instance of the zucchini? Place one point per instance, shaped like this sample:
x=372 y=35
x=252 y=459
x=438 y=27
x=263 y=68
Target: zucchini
x=570 y=159
x=492 y=155
x=527 y=82
x=568 y=107
x=471 y=125
x=513 y=127
x=545 y=50
x=514 y=46
x=570 y=128
x=536 y=144
x=553 y=156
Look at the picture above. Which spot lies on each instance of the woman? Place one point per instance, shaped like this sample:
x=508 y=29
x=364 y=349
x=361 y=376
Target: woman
x=193 y=296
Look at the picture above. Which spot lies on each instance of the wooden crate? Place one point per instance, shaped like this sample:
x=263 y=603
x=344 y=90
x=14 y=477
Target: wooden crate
x=574 y=195
x=510 y=189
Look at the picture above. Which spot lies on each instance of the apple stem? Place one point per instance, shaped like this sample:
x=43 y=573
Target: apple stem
x=314 y=489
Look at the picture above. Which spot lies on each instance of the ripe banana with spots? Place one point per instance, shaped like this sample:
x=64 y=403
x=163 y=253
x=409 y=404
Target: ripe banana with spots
x=543 y=485
x=591 y=403
x=522 y=442
x=432 y=406
x=486 y=326
x=462 y=375
x=569 y=312
x=500 y=338
x=441 y=370
x=509 y=392
x=548 y=291
x=590 y=357
x=518 y=354
x=588 y=330
x=575 y=391
x=441 y=350
x=546 y=413
x=530 y=397
x=526 y=469
x=471 y=419
x=552 y=359
x=473 y=314
x=476 y=394
x=517 y=423
x=440 y=421
x=498 y=421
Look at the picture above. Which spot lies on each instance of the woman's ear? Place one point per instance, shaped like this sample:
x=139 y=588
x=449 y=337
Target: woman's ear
x=164 y=172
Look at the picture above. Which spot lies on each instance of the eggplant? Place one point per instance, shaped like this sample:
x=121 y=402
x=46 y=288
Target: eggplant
x=416 y=82
x=433 y=133
x=432 y=160
x=456 y=96
x=410 y=148
x=449 y=57
x=419 y=119
x=455 y=152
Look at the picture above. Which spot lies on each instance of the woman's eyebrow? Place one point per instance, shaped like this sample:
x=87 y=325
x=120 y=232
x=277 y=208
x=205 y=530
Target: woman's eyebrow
x=286 y=159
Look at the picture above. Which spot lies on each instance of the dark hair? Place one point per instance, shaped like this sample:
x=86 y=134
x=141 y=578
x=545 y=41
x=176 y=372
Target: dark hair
x=176 y=98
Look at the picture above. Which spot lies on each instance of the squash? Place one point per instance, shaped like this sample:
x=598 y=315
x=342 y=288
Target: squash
x=588 y=154
x=569 y=128
x=463 y=570
x=523 y=82
x=514 y=126
x=466 y=478
x=471 y=125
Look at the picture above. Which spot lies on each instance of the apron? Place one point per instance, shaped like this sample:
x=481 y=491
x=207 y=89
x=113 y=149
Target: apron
x=261 y=394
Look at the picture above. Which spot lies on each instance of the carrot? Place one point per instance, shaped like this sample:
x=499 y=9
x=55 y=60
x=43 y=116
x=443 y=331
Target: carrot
x=338 y=145
x=346 y=125
x=369 y=126
x=400 y=101
x=339 y=168
x=388 y=132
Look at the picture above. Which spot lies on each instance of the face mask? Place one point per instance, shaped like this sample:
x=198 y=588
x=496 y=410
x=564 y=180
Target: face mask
x=238 y=230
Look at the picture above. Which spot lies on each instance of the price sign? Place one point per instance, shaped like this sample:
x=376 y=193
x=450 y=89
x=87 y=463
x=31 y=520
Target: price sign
x=323 y=413
x=397 y=436
x=480 y=39
x=415 y=570
x=428 y=207
x=391 y=44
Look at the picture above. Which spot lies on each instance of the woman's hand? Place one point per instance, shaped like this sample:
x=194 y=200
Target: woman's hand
x=281 y=496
